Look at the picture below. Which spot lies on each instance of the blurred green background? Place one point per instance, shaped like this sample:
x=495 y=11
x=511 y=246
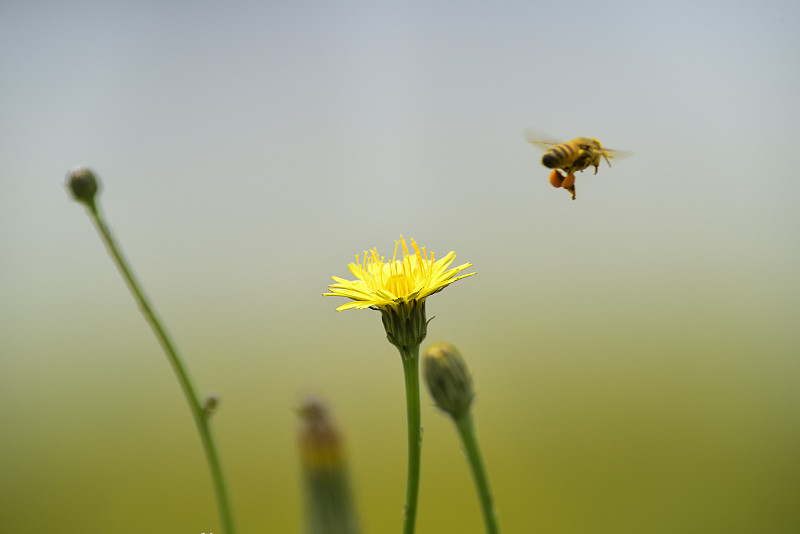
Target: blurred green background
x=635 y=351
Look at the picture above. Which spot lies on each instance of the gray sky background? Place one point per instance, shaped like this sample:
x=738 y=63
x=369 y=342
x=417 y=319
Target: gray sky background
x=248 y=150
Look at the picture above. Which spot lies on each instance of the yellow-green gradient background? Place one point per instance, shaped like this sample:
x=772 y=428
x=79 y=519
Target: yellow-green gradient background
x=635 y=351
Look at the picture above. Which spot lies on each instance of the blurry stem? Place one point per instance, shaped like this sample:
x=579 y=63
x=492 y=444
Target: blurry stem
x=181 y=371
x=410 y=357
x=466 y=429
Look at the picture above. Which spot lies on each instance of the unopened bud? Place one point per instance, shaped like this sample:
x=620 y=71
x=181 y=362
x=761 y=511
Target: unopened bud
x=448 y=378
x=210 y=403
x=83 y=185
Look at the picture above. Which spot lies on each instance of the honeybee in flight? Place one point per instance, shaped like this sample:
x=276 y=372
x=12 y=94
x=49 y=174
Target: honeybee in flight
x=566 y=158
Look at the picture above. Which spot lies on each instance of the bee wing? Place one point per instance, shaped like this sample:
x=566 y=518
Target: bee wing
x=540 y=139
x=618 y=154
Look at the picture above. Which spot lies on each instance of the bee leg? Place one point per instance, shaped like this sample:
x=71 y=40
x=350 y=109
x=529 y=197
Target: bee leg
x=595 y=169
x=571 y=190
x=569 y=184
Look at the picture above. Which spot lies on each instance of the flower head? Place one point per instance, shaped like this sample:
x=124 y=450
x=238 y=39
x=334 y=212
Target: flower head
x=380 y=284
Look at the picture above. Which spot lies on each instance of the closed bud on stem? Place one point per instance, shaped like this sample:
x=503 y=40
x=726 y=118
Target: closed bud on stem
x=83 y=185
x=448 y=379
x=210 y=403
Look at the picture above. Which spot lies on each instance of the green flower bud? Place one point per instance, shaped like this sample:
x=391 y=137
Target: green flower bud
x=210 y=403
x=448 y=379
x=83 y=185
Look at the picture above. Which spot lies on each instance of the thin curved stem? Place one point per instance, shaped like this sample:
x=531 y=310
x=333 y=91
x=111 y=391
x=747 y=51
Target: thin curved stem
x=466 y=430
x=181 y=371
x=411 y=371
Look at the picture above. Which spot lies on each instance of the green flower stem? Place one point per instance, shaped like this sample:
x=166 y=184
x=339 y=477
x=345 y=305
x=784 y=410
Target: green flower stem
x=411 y=370
x=181 y=371
x=466 y=430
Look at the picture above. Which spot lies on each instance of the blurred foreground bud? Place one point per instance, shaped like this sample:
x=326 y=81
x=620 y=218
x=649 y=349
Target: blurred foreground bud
x=83 y=185
x=329 y=503
x=448 y=378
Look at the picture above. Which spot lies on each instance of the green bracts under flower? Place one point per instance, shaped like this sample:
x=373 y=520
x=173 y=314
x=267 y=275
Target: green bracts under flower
x=405 y=324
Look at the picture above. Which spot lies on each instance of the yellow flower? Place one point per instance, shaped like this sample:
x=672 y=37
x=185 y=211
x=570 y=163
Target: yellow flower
x=380 y=284
x=398 y=289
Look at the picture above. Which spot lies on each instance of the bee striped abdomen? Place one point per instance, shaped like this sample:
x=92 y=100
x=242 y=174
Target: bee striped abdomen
x=559 y=155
